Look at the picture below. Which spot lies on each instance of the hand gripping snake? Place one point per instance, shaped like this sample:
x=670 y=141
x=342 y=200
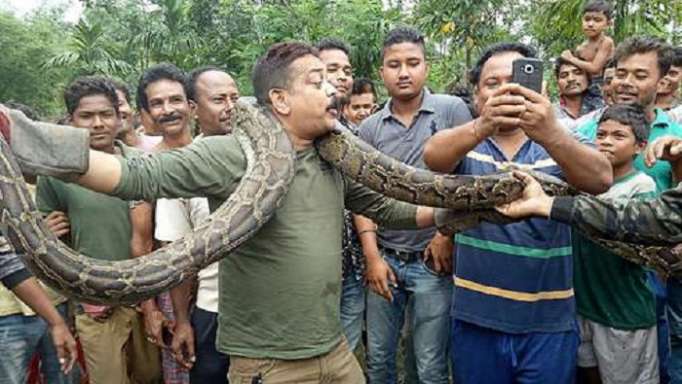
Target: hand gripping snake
x=270 y=169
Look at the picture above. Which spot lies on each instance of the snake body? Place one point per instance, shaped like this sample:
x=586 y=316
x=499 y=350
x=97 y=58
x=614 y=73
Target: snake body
x=270 y=170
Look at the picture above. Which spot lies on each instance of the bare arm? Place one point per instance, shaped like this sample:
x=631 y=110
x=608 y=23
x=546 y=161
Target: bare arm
x=103 y=174
x=444 y=150
x=583 y=166
x=34 y=296
x=142 y=239
x=596 y=66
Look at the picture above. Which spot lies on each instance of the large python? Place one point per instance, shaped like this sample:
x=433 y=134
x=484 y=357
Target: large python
x=270 y=158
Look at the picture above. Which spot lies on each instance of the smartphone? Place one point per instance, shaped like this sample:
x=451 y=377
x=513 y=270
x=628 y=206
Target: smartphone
x=528 y=73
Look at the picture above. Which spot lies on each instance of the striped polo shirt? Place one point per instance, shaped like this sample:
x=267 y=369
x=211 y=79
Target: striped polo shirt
x=514 y=278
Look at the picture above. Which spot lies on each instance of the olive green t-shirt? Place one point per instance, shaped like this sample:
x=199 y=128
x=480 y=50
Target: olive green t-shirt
x=279 y=291
x=100 y=224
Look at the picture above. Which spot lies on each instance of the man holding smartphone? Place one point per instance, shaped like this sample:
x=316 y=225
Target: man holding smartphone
x=513 y=297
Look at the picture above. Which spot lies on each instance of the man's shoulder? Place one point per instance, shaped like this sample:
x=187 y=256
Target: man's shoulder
x=447 y=103
x=639 y=184
x=370 y=124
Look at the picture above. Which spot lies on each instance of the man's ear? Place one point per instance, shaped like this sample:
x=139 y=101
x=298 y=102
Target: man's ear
x=192 y=107
x=279 y=99
x=640 y=147
x=475 y=99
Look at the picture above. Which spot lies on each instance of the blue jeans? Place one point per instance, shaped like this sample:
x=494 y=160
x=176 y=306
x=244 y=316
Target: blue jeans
x=483 y=355
x=674 y=312
x=429 y=296
x=211 y=366
x=22 y=336
x=352 y=309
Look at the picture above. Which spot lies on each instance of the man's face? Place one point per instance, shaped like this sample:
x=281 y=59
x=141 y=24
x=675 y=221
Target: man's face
x=671 y=82
x=216 y=94
x=310 y=99
x=97 y=114
x=496 y=72
x=168 y=106
x=572 y=81
x=339 y=70
x=125 y=112
x=636 y=79
x=607 y=87
x=594 y=23
x=404 y=70
x=617 y=142
x=359 y=107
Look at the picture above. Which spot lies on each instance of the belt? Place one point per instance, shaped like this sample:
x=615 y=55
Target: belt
x=404 y=256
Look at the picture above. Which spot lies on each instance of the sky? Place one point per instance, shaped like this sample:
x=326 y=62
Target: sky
x=22 y=7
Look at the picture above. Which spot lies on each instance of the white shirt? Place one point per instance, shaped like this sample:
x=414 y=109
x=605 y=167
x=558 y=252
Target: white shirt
x=174 y=219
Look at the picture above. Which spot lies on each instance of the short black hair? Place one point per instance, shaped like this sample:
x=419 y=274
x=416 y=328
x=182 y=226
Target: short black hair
x=560 y=62
x=272 y=69
x=330 y=43
x=193 y=77
x=610 y=63
x=632 y=115
x=490 y=51
x=162 y=71
x=123 y=87
x=87 y=86
x=645 y=44
x=25 y=109
x=599 y=6
x=677 y=56
x=363 y=85
x=403 y=34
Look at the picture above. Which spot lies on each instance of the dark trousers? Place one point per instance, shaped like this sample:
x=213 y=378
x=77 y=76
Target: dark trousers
x=211 y=366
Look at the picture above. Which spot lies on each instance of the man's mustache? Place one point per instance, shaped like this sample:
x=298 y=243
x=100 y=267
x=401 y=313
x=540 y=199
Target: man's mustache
x=168 y=118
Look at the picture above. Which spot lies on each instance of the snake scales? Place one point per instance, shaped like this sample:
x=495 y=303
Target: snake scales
x=270 y=158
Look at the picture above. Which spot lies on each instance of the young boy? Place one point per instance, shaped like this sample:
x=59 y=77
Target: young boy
x=616 y=309
x=593 y=53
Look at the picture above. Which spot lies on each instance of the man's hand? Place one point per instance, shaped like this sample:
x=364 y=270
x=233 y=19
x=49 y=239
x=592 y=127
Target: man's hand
x=533 y=202
x=154 y=321
x=439 y=251
x=65 y=345
x=502 y=109
x=58 y=223
x=183 y=344
x=567 y=55
x=538 y=120
x=379 y=277
x=668 y=148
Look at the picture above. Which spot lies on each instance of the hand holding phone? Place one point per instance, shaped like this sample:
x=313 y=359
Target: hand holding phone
x=527 y=72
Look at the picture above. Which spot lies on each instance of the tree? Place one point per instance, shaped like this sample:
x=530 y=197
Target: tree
x=26 y=43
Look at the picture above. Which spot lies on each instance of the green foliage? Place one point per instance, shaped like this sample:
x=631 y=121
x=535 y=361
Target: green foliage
x=123 y=37
x=25 y=44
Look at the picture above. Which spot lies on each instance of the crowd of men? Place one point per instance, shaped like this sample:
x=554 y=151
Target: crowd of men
x=341 y=267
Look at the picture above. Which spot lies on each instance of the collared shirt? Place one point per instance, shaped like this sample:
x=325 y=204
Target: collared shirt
x=661 y=172
x=515 y=278
x=386 y=133
x=675 y=114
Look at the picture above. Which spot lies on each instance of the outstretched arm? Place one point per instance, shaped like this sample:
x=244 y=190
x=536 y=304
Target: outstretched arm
x=652 y=222
x=210 y=167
